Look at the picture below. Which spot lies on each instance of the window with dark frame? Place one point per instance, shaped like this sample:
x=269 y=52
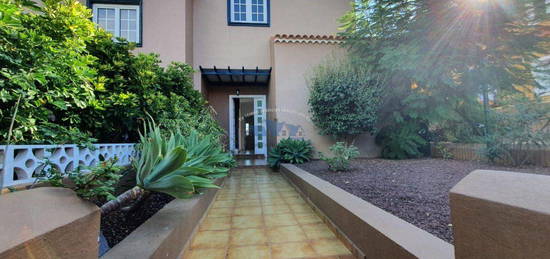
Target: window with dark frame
x=248 y=12
x=121 y=20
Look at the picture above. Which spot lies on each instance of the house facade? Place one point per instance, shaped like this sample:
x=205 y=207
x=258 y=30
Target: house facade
x=252 y=57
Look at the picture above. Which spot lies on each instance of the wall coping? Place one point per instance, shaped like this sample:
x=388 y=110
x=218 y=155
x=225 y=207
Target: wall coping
x=415 y=241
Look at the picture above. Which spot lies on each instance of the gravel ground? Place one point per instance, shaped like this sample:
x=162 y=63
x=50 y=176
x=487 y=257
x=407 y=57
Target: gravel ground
x=118 y=225
x=415 y=190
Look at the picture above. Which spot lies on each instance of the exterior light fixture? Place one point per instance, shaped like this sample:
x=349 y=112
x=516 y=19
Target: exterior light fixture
x=238 y=92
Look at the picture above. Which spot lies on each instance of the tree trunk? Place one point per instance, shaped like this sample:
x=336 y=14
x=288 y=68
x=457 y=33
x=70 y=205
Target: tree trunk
x=123 y=199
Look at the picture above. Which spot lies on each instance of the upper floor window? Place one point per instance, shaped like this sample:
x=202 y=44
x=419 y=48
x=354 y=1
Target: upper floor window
x=248 y=12
x=121 y=20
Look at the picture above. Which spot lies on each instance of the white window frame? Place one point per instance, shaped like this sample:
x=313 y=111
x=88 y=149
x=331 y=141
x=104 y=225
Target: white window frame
x=117 y=8
x=248 y=4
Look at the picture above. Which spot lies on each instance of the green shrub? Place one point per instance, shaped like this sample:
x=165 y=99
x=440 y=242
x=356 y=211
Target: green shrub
x=401 y=141
x=78 y=85
x=343 y=154
x=90 y=183
x=516 y=130
x=294 y=151
x=43 y=59
x=343 y=100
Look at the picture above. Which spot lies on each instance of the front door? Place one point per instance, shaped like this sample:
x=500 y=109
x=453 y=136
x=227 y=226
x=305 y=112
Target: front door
x=260 y=124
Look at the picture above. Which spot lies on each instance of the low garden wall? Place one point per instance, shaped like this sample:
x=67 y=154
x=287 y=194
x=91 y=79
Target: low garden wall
x=167 y=233
x=51 y=222
x=23 y=161
x=374 y=232
x=495 y=215
x=472 y=152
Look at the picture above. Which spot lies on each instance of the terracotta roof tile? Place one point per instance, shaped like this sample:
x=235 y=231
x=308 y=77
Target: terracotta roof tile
x=307 y=39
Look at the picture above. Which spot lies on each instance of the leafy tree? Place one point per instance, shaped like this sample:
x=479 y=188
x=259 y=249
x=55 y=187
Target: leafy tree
x=43 y=60
x=438 y=56
x=343 y=100
x=77 y=85
x=521 y=128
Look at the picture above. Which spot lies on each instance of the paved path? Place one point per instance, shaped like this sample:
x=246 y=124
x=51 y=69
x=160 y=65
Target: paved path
x=259 y=215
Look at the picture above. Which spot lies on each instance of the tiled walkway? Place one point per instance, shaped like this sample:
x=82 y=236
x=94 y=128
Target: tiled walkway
x=259 y=215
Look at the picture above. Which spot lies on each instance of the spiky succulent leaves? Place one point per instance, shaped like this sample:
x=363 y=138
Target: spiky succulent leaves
x=179 y=165
x=274 y=158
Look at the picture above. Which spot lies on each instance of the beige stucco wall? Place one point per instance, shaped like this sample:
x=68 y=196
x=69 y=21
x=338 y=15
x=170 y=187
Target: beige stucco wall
x=292 y=65
x=217 y=44
x=167 y=29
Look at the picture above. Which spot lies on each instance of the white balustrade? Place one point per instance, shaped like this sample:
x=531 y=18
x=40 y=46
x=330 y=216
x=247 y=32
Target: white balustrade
x=25 y=161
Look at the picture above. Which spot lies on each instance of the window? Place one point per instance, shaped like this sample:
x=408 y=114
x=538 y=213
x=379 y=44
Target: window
x=248 y=12
x=120 y=20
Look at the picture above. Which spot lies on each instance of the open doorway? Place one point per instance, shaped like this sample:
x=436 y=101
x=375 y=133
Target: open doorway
x=247 y=129
x=244 y=126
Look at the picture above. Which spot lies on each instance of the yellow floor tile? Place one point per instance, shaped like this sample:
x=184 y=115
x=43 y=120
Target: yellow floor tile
x=307 y=218
x=247 y=203
x=205 y=253
x=276 y=209
x=250 y=236
x=259 y=215
x=211 y=239
x=220 y=212
x=247 y=211
x=286 y=234
x=273 y=201
x=328 y=247
x=279 y=220
x=221 y=223
x=223 y=204
x=300 y=208
x=253 y=221
x=249 y=252
x=317 y=231
x=292 y=250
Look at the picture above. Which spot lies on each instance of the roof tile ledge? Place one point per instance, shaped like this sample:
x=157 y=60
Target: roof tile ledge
x=308 y=39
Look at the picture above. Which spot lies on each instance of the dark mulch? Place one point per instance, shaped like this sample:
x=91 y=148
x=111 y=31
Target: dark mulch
x=119 y=224
x=414 y=190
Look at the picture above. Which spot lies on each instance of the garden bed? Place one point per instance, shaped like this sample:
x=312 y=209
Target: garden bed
x=414 y=190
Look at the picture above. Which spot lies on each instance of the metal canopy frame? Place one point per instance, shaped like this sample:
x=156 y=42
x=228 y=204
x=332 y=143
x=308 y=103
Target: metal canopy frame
x=239 y=76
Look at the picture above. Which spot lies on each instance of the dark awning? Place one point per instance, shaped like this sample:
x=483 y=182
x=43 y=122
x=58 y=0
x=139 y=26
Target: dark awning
x=238 y=76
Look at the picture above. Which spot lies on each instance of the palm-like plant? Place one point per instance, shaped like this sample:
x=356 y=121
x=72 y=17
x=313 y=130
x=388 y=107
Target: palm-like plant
x=177 y=165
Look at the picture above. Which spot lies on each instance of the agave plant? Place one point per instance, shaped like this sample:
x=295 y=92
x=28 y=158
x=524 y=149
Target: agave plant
x=294 y=151
x=177 y=165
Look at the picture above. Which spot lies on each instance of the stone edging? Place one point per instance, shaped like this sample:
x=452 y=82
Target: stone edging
x=373 y=231
x=166 y=234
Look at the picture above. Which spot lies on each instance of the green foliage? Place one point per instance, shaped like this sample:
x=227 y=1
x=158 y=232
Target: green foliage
x=133 y=85
x=43 y=59
x=343 y=100
x=343 y=154
x=179 y=165
x=79 y=86
x=90 y=183
x=436 y=57
x=401 y=142
x=444 y=151
x=517 y=130
x=294 y=151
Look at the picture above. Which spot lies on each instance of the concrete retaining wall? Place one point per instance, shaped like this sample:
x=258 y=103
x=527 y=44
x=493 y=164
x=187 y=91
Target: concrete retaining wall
x=376 y=233
x=166 y=234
